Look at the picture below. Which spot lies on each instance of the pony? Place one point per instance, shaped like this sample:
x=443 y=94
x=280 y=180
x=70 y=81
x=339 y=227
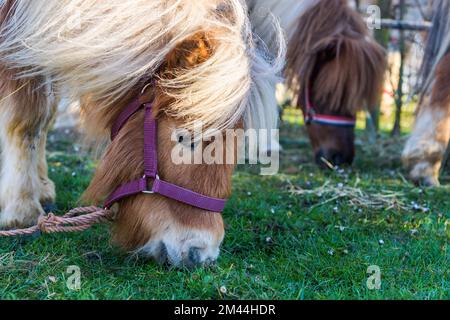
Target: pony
x=183 y=60
x=334 y=68
x=425 y=148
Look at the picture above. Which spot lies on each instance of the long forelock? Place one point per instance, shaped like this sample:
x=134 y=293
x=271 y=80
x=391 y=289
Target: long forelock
x=347 y=82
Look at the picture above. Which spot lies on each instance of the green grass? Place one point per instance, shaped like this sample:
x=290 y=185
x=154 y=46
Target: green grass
x=278 y=245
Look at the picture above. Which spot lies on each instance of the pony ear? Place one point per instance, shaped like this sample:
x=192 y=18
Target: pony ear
x=187 y=55
x=191 y=52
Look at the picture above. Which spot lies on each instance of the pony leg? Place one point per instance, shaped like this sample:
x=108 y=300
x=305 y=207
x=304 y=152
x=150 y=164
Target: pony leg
x=48 y=194
x=26 y=109
x=426 y=147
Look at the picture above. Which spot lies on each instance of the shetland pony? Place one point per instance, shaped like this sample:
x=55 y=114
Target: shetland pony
x=203 y=65
x=426 y=147
x=333 y=67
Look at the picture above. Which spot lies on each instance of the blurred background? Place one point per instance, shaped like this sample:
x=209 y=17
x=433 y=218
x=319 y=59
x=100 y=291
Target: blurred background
x=404 y=25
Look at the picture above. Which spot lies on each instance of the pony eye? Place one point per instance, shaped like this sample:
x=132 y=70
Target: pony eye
x=180 y=139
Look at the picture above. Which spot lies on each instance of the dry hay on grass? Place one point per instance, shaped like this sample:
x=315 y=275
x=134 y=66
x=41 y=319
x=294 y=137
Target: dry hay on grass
x=355 y=196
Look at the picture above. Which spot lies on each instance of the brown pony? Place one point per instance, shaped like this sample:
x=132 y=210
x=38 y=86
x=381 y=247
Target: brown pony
x=201 y=60
x=425 y=148
x=332 y=57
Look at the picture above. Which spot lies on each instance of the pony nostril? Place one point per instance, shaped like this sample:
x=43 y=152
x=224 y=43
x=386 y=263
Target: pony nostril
x=319 y=157
x=194 y=256
x=162 y=253
x=338 y=159
x=324 y=161
x=330 y=159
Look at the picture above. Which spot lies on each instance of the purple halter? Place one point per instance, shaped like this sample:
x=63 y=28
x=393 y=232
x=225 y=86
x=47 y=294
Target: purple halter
x=159 y=186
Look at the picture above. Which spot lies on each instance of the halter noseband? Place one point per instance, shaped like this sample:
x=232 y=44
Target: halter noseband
x=311 y=116
x=159 y=186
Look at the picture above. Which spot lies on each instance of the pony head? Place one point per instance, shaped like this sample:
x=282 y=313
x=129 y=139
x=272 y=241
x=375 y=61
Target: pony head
x=336 y=70
x=208 y=78
x=204 y=68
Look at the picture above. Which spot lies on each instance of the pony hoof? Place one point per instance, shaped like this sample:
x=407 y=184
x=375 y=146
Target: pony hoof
x=20 y=214
x=162 y=257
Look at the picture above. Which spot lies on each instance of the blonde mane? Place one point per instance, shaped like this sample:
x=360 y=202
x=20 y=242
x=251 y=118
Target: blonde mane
x=104 y=49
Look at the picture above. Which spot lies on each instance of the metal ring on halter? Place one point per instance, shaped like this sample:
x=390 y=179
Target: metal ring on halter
x=150 y=191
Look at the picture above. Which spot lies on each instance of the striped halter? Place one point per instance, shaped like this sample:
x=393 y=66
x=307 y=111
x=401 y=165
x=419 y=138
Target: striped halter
x=311 y=116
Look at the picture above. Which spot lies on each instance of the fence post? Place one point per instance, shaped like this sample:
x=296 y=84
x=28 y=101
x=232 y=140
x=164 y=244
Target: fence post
x=399 y=94
x=382 y=37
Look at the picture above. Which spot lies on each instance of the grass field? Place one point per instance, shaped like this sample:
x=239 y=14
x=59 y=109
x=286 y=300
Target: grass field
x=303 y=234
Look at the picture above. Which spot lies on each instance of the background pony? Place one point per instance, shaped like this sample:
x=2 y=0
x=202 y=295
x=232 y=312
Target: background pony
x=426 y=147
x=334 y=68
x=203 y=65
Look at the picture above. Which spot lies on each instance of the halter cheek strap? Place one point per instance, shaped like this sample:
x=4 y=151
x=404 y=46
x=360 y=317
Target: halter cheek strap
x=311 y=116
x=158 y=186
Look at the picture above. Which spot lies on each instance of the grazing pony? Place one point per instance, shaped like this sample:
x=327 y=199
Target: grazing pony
x=136 y=66
x=429 y=140
x=333 y=67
